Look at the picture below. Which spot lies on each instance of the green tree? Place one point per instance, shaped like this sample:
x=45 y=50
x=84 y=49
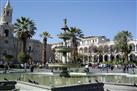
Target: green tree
x=24 y=29
x=105 y=49
x=45 y=36
x=76 y=35
x=8 y=58
x=23 y=58
x=121 y=43
x=100 y=50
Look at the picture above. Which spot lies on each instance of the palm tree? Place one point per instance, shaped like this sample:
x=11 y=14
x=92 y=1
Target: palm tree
x=121 y=43
x=76 y=35
x=24 y=29
x=45 y=36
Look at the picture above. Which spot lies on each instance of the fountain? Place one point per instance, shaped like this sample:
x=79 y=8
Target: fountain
x=66 y=35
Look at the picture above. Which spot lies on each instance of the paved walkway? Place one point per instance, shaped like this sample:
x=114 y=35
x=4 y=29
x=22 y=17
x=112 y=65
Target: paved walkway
x=23 y=86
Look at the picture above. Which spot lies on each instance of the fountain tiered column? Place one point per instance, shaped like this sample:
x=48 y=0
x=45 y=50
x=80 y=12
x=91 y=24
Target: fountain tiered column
x=66 y=35
x=64 y=49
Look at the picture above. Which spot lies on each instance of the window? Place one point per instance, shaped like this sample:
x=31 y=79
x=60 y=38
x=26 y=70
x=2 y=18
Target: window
x=8 y=13
x=29 y=48
x=6 y=41
x=4 y=53
x=6 y=32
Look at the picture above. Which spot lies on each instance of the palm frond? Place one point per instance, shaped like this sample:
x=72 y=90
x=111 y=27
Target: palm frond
x=24 y=27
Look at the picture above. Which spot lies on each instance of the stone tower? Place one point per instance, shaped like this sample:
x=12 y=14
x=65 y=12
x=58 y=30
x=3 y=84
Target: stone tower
x=6 y=16
x=6 y=27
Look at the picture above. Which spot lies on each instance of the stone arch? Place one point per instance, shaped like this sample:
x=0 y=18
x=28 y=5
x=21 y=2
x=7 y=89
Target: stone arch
x=118 y=57
x=6 y=32
x=112 y=57
x=106 y=58
x=85 y=50
x=95 y=58
x=81 y=50
x=132 y=57
x=100 y=58
x=132 y=47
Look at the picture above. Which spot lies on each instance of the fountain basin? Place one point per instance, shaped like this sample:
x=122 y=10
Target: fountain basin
x=55 y=81
x=61 y=65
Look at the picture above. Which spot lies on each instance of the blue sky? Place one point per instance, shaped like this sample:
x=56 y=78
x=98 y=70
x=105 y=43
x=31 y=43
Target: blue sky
x=93 y=17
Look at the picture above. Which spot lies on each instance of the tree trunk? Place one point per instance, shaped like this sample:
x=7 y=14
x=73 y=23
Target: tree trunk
x=44 y=51
x=74 y=52
x=24 y=46
x=126 y=58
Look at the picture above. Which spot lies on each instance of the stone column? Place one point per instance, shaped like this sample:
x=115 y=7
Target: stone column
x=109 y=59
x=88 y=58
x=103 y=58
x=135 y=47
x=83 y=59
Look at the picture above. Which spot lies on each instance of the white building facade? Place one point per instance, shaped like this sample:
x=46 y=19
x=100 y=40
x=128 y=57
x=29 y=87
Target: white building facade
x=88 y=47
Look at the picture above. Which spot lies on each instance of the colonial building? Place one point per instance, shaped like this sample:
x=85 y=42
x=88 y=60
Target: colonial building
x=88 y=49
x=10 y=45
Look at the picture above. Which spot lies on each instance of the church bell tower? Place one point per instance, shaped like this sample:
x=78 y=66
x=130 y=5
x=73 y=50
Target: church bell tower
x=6 y=27
x=6 y=16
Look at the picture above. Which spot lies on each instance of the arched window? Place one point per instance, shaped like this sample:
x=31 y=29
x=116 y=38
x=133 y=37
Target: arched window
x=85 y=50
x=8 y=13
x=106 y=57
x=6 y=33
x=132 y=57
x=118 y=57
x=95 y=58
x=81 y=50
x=100 y=58
x=132 y=47
x=112 y=57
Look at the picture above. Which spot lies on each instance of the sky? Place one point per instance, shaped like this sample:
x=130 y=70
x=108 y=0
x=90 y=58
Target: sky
x=93 y=17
